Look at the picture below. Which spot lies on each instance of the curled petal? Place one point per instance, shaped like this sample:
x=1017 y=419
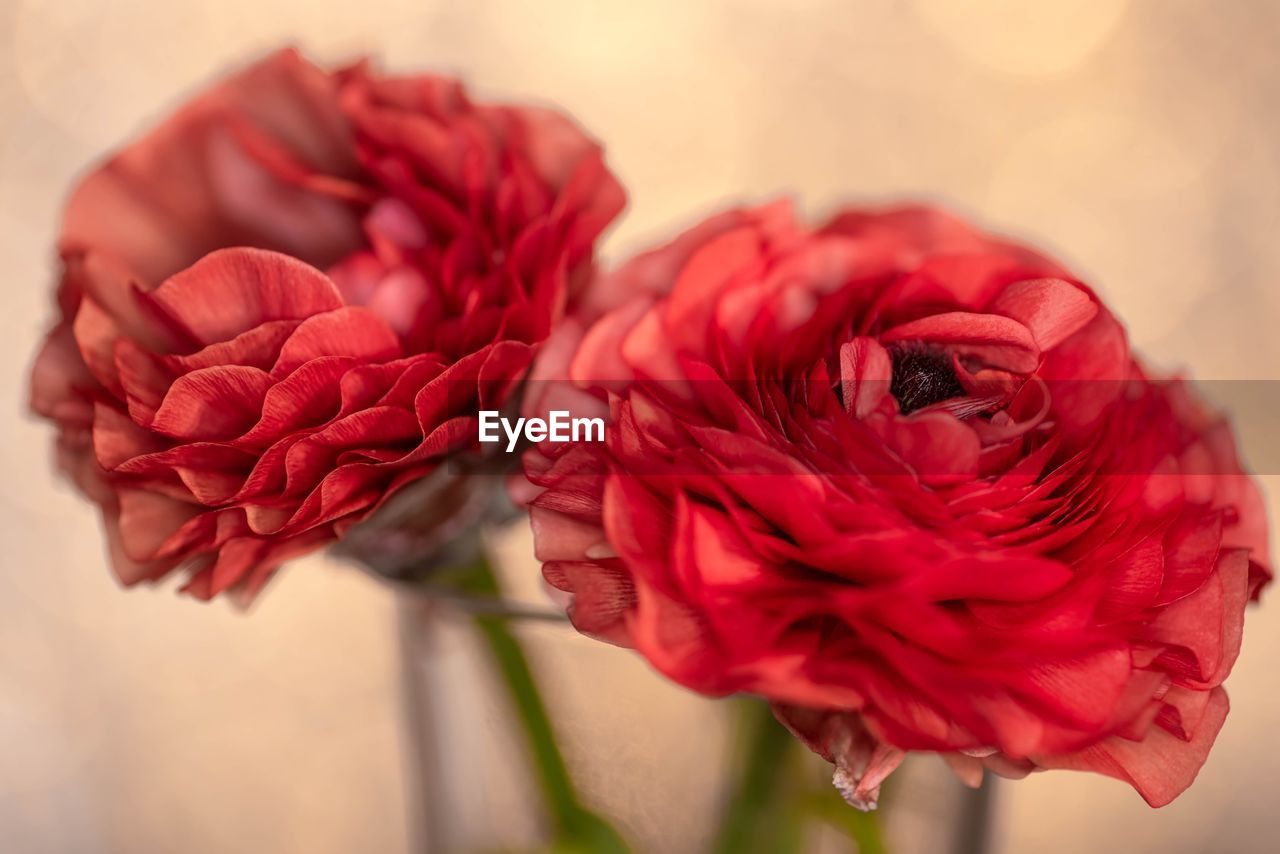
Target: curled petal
x=862 y=761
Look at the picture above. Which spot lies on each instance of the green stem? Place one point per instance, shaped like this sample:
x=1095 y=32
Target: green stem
x=757 y=817
x=575 y=828
x=863 y=827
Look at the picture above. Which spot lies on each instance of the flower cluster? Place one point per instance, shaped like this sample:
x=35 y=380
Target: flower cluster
x=904 y=479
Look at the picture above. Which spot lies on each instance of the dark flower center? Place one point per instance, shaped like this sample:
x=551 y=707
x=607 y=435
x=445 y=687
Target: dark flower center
x=922 y=376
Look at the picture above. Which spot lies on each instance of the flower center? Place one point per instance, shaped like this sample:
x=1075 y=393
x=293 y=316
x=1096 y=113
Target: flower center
x=922 y=376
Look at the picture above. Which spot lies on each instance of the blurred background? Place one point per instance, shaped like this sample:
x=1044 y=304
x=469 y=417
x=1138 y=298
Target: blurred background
x=1137 y=139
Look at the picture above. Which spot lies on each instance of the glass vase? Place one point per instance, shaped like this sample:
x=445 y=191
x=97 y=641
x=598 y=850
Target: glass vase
x=661 y=764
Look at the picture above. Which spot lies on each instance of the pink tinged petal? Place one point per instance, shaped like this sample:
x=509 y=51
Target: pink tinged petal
x=1086 y=372
x=143 y=378
x=357 y=276
x=997 y=341
x=558 y=537
x=1163 y=491
x=1007 y=767
x=520 y=489
x=968 y=768
x=293 y=101
x=654 y=272
x=568 y=481
x=598 y=359
x=502 y=368
x=590 y=199
x=602 y=596
x=274 y=159
x=118 y=291
x=213 y=403
x=964 y=281
x=783 y=676
x=212 y=472
x=111 y=309
x=753 y=470
x=1182 y=711
x=693 y=298
x=307 y=397
x=551 y=367
x=862 y=761
x=424 y=142
x=128 y=570
x=247 y=562
x=231 y=291
x=148 y=520
x=866 y=372
x=1200 y=473
x=171 y=196
x=1203 y=630
x=312 y=458
x=1014 y=727
x=752 y=304
x=1161 y=766
x=1000 y=577
x=58 y=378
x=715 y=554
x=259 y=347
x=647 y=350
x=642 y=423
x=269 y=519
x=862 y=557
x=353 y=332
x=211 y=487
x=245 y=185
x=1135 y=580
x=1052 y=309
x=723 y=402
x=401 y=298
x=1239 y=491
x=388 y=384
x=858 y=780
x=913 y=716
x=117 y=438
x=1191 y=547
x=395 y=221
x=938 y=446
x=822 y=265
x=265 y=482
x=1083 y=690
x=926 y=229
x=1141 y=703
x=676 y=640
x=96 y=332
x=637 y=524
x=554 y=145
x=351 y=488
x=233 y=561
x=445 y=394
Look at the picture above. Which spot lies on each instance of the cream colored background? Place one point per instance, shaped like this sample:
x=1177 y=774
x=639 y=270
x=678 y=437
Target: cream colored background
x=1140 y=140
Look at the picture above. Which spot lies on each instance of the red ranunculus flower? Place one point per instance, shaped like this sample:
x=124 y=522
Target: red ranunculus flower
x=908 y=482
x=288 y=300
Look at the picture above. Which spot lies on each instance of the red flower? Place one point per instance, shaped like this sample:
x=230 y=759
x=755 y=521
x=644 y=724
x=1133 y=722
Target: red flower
x=230 y=407
x=906 y=481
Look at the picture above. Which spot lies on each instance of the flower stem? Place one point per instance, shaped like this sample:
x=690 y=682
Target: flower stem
x=575 y=828
x=757 y=817
x=862 y=827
